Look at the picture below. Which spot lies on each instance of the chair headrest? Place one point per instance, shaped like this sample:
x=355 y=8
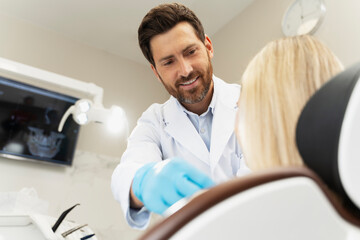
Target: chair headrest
x=328 y=134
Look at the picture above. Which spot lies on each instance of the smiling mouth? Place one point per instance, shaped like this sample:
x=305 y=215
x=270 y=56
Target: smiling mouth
x=189 y=82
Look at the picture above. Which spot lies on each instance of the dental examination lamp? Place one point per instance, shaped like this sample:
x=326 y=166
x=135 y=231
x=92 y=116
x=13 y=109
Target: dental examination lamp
x=85 y=111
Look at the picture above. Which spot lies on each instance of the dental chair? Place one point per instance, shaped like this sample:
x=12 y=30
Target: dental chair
x=321 y=201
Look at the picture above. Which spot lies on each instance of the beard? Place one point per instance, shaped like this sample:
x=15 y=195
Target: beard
x=196 y=94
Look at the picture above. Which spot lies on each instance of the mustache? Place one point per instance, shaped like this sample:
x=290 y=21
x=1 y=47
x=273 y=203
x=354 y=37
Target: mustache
x=191 y=76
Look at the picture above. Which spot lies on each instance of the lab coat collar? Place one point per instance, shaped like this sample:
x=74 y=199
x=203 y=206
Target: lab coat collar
x=224 y=108
x=176 y=120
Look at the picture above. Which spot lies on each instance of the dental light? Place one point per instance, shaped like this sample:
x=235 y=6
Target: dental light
x=85 y=111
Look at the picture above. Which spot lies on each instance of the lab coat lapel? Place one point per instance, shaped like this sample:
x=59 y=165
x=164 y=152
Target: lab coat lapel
x=223 y=121
x=176 y=122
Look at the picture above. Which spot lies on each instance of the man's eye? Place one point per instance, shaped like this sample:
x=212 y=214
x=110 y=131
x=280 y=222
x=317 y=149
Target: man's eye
x=167 y=63
x=191 y=52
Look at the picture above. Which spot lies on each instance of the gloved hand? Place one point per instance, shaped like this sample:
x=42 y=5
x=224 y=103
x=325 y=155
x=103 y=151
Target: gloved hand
x=160 y=185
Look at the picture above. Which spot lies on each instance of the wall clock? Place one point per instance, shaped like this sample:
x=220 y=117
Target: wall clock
x=303 y=17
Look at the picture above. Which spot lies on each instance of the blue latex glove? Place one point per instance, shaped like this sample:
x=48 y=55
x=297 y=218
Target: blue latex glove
x=160 y=185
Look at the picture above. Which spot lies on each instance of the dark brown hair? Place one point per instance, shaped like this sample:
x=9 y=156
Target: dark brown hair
x=161 y=19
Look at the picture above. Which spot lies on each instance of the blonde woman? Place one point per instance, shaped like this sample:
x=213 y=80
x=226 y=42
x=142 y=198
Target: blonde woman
x=275 y=87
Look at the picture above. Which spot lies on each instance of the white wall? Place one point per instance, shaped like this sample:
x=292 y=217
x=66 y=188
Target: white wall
x=127 y=84
x=246 y=34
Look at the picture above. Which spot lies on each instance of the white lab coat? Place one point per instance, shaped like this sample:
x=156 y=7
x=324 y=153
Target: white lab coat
x=164 y=131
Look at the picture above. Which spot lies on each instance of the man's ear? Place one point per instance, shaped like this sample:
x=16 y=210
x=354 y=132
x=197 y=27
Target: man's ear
x=156 y=73
x=209 y=46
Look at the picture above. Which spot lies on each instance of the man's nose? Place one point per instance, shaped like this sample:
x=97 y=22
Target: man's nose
x=185 y=68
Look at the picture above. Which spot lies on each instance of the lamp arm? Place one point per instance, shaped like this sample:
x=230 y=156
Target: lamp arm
x=65 y=116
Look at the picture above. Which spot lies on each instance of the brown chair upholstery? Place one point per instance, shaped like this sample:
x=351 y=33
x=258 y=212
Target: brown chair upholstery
x=170 y=225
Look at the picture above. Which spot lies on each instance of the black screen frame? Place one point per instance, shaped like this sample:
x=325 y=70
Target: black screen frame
x=46 y=110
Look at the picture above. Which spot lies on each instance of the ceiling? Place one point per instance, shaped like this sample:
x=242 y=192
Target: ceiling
x=111 y=25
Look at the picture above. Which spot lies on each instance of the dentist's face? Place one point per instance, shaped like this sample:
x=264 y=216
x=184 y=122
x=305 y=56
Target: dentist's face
x=182 y=63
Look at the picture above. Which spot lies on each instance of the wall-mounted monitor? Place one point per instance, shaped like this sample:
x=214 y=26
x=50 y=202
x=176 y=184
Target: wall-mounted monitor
x=29 y=118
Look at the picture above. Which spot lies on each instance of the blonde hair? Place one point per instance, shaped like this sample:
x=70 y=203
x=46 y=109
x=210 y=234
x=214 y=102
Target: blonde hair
x=275 y=87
